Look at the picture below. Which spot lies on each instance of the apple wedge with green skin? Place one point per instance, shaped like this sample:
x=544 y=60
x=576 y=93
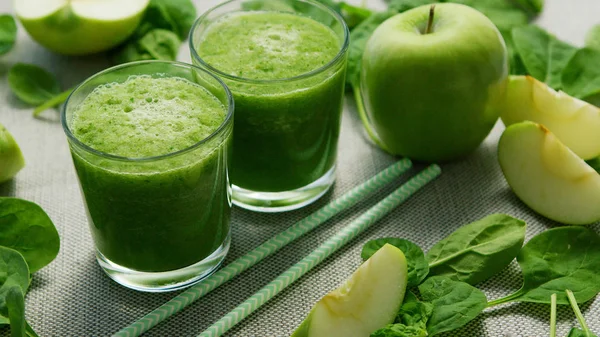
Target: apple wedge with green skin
x=432 y=94
x=575 y=122
x=547 y=176
x=366 y=302
x=79 y=27
x=11 y=158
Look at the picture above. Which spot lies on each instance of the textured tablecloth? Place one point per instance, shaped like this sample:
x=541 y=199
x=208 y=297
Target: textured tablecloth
x=73 y=297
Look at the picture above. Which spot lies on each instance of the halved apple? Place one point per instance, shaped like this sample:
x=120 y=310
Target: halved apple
x=77 y=27
x=548 y=176
x=367 y=301
x=11 y=158
x=575 y=122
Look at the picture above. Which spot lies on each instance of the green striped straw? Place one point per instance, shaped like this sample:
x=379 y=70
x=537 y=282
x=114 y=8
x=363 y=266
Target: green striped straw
x=269 y=247
x=322 y=252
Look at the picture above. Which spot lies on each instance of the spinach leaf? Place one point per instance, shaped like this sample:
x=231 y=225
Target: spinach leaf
x=156 y=44
x=32 y=84
x=585 y=330
x=415 y=314
x=177 y=16
x=455 y=303
x=353 y=15
x=358 y=41
x=13 y=273
x=8 y=33
x=516 y=63
x=26 y=228
x=581 y=76
x=556 y=260
x=415 y=259
x=15 y=305
x=531 y=6
x=400 y=330
x=479 y=250
x=543 y=55
x=404 y=5
x=592 y=38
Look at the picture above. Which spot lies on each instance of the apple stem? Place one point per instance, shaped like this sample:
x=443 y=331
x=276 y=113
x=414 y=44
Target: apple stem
x=430 y=22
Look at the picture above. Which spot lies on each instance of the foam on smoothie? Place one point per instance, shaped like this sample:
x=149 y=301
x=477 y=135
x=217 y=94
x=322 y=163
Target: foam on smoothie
x=267 y=45
x=145 y=116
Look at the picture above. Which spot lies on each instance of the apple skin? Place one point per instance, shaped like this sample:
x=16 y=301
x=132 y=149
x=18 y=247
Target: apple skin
x=11 y=158
x=547 y=176
x=366 y=302
x=66 y=33
x=434 y=97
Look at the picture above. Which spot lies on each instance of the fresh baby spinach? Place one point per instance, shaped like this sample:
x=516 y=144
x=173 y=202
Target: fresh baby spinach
x=592 y=38
x=479 y=250
x=595 y=164
x=556 y=260
x=415 y=259
x=581 y=76
x=544 y=56
x=8 y=33
x=157 y=44
x=411 y=320
x=455 y=303
x=15 y=305
x=32 y=84
x=14 y=274
x=177 y=16
x=26 y=228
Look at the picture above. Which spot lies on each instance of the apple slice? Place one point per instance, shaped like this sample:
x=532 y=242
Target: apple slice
x=367 y=301
x=575 y=122
x=11 y=158
x=76 y=27
x=547 y=176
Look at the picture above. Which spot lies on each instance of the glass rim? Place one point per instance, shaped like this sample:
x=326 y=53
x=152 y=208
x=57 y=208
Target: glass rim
x=222 y=126
x=336 y=59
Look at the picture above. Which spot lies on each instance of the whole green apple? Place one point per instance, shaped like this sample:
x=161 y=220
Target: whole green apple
x=432 y=80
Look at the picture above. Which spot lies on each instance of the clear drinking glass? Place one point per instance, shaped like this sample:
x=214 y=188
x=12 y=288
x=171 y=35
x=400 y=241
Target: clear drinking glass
x=159 y=223
x=286 y=129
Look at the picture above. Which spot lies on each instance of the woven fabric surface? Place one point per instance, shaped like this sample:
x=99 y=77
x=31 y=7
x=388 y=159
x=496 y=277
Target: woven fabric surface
x=73 y=297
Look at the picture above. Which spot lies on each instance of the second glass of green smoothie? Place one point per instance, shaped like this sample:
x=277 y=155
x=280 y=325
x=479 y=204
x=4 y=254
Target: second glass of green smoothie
x=150 y=143
x=285 y=63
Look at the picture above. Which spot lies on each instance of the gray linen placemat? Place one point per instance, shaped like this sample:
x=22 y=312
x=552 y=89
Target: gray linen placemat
x=72 y=296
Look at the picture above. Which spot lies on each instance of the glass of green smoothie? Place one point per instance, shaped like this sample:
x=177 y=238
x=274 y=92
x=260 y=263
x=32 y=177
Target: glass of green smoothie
x=151 y=143
x=284 y=62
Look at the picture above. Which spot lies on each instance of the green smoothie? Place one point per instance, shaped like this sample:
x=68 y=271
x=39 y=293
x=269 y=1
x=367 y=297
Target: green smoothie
x=286 y=131
x=153 y=214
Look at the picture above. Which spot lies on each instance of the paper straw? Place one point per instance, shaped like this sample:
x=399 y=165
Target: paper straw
x=271 y=246
x=322 y=252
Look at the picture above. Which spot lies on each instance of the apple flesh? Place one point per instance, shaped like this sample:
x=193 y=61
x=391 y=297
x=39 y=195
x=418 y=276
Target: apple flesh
x=434 y=96
x=366 y=302
x=575 y=122
x=78 y=27
x=11 y=158
x=548 y=176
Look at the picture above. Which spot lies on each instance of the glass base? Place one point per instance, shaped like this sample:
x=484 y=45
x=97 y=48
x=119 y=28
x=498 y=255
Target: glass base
x=164 y=281
x=271 y=202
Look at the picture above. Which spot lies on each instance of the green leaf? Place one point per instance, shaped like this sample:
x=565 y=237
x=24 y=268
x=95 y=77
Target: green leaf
x=575 y=332
x=532 y=6
x=353 y=15
x=404 y=5
x=479 y=250
x=8 y=33
x=13 y=273
x=32 y=84
x=415 y=313
x=581 y=76
x=455 y=303
x=556 y=260
x=505 y=14
x=26 y=228
x=177 y=16
x=157 y=44
x=516 y=64
x=592 y=38
x=415 y=259
x=400 y=330
x=15 y=304
x=543 y=55
x=358 y=41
